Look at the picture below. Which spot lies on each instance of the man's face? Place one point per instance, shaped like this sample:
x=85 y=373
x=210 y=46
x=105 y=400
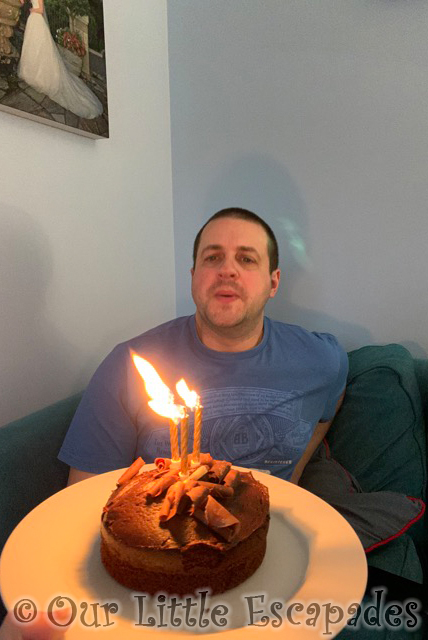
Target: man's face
x=231 y=281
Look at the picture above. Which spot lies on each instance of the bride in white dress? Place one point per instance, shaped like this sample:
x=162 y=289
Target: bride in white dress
x=42 y=67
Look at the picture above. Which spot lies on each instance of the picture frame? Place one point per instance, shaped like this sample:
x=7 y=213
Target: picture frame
x=53 y=64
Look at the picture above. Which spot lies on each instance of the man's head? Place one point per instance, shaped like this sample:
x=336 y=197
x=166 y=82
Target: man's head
x=243 y=214
x=234 y=275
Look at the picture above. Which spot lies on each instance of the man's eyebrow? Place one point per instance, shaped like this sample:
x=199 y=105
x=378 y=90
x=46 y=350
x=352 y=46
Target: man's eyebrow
x=212 y=247
x=218 y=247
x=248 y=249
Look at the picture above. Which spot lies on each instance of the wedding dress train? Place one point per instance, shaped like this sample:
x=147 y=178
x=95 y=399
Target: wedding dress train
x=42 y=67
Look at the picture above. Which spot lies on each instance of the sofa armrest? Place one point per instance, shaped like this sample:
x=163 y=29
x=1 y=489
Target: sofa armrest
x=29 y=469
x=421 y=370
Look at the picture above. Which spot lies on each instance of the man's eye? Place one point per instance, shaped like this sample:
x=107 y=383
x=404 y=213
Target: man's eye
x=247 y=260
x=211 y=258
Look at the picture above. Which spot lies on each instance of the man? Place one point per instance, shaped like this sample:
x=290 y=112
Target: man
x=269 y=390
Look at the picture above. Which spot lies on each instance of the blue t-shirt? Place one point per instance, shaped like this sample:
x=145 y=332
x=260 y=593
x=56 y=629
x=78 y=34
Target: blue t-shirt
x=260 y=406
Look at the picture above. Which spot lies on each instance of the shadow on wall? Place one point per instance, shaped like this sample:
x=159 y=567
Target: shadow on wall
x=261 y=184
x=36 y=359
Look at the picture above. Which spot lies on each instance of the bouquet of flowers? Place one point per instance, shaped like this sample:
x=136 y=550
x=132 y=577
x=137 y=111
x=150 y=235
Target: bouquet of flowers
x=71 y=41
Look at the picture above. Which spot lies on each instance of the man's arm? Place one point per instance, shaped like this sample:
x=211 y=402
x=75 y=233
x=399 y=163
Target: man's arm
x=76 y=476
x=313 y=444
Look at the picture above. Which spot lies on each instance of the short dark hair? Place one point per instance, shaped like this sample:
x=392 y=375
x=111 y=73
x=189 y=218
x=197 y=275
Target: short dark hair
x=243 y=214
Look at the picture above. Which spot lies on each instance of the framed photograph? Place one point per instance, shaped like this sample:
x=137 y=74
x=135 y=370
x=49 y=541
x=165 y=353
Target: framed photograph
x=53 y=65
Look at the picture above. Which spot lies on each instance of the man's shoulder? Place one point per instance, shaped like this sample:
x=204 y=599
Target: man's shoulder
x=293 y=335
x=152 y=343
x=314 y=350
x=169 y=330
x=160 y=337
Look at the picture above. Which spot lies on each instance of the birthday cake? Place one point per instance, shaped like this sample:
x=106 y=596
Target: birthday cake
x=160 y=532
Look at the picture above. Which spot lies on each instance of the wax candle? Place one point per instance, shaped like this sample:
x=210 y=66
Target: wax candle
x=197 y=433
x=173 y=435
x=193 y=402
x=184 y=426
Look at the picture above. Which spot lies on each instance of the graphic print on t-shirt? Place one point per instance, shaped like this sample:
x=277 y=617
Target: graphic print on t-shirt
x=251 y=427
x=255 y=427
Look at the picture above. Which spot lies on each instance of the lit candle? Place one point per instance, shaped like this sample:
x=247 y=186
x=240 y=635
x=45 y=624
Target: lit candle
x=184 y=426
x=197 y=433
x=173 y=435
x=192 y=401
x=162 y=401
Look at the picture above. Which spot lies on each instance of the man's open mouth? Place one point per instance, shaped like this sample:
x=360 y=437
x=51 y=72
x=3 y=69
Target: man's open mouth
x=226 y=295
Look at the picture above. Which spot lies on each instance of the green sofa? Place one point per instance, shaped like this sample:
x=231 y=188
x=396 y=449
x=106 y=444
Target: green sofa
x=379 y=435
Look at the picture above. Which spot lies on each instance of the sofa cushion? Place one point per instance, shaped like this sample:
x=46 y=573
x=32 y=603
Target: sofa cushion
x=377 y=517
x=398 y=557
x=29 y=469
x=379 y=433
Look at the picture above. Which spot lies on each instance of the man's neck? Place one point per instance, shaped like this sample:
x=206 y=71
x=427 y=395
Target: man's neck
x=232 y=339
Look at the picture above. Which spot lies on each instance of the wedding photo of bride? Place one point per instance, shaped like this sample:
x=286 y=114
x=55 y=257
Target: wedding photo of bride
x=54 y=67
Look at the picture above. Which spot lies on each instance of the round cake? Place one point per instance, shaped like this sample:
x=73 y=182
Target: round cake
x=160 y=533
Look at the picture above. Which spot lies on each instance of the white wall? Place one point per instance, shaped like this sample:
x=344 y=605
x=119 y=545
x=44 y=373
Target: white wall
x=313 y=114
x=86 y=239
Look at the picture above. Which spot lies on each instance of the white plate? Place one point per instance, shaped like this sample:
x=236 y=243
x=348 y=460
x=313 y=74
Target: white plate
x=313 y=558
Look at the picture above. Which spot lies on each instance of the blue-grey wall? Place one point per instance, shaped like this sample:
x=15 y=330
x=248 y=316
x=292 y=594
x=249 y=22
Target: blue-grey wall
x=313 y=114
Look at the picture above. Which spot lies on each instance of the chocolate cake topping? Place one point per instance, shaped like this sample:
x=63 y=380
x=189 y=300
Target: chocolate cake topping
x=158 y=510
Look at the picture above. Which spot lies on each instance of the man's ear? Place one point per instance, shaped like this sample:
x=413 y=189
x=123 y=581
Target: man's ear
x=274 y=282
x=192 y=272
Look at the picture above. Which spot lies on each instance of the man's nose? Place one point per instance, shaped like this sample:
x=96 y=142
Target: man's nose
x=228 y=269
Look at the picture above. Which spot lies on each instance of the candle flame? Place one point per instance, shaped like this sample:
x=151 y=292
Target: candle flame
x=162 y=400
x=191 y=398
